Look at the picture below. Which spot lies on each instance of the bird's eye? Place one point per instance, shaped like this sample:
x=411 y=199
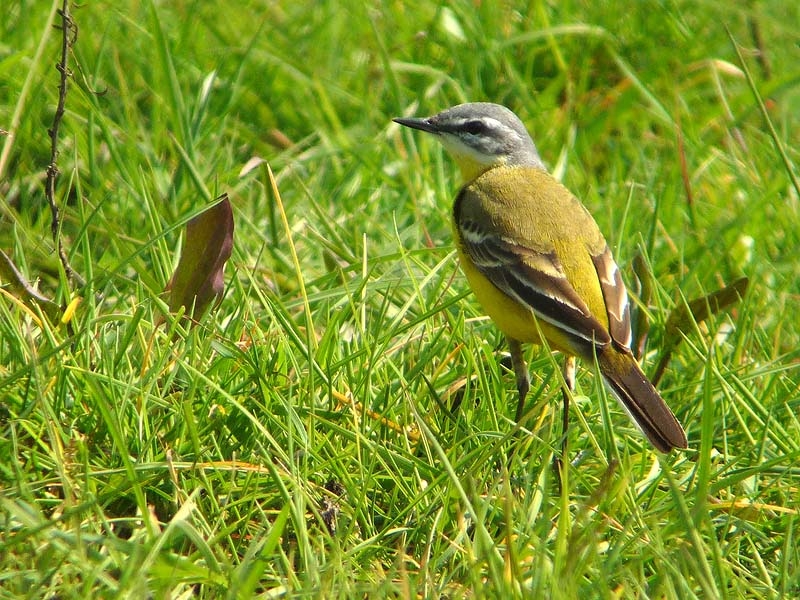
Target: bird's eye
x=475 y=127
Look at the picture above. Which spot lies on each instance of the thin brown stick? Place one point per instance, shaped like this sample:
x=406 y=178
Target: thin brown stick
x=69 y=34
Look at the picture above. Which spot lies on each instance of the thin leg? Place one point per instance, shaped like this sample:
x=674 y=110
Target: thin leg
x=521 y=374
x=570 y=365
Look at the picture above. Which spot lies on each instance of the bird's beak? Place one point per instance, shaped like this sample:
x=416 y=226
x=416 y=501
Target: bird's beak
x=421 y=124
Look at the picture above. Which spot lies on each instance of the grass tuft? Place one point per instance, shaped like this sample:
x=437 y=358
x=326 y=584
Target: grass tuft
x=341 y=425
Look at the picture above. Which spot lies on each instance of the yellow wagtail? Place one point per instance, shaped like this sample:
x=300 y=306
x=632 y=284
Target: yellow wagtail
x=537 y=261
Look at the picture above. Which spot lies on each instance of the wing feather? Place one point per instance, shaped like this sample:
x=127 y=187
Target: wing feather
x=533 y=278
x=615 y=296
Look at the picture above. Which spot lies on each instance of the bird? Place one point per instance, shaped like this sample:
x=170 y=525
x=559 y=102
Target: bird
x=538 y=263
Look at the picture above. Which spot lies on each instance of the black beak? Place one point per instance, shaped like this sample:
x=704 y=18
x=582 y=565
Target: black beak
x=421 y=124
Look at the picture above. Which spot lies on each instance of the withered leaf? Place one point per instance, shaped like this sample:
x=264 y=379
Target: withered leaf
x=684 y=316
x=198 y=278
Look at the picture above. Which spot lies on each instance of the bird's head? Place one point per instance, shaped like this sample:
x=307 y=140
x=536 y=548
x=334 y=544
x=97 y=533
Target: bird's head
x=480 y=136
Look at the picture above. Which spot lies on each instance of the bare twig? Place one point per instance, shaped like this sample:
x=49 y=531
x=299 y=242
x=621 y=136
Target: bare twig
x=23 y=289
x=69 y=34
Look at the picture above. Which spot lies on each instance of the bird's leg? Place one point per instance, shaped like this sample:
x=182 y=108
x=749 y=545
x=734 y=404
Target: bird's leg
x=521 y=374
x=570 y=366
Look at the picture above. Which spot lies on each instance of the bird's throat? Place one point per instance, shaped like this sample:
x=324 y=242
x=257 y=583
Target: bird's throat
x=472 y=169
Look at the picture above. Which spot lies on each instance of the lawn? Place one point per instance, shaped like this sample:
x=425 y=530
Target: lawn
x=340 y=424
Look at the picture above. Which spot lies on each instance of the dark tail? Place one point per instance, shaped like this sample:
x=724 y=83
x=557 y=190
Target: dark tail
x=641 y=400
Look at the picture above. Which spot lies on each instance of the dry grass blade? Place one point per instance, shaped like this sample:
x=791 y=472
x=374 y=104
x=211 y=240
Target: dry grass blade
x=685 y=316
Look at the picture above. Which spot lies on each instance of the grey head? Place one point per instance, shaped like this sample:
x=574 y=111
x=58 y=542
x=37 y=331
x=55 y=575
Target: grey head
x=480 y=136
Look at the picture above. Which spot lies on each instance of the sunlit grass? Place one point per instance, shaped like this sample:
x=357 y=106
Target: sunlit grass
x=341 y=425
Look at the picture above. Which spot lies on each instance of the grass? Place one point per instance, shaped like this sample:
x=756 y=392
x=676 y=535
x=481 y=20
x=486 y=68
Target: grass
x=348 y=375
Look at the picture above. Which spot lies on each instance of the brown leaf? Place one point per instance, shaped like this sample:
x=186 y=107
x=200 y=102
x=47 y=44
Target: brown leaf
x=682 y=319
x=198 y=279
